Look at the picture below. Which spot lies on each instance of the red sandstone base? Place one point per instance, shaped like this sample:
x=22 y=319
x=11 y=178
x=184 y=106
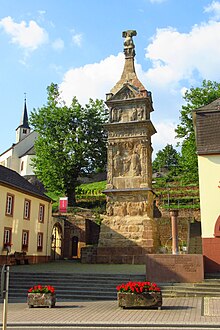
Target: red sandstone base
x=211 y=252
x=166 y=268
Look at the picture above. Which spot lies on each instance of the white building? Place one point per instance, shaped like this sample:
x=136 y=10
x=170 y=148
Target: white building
x=206 y=121
x=18 y=157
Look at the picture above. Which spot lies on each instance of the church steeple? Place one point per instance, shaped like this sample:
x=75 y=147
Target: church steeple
x=23 y=129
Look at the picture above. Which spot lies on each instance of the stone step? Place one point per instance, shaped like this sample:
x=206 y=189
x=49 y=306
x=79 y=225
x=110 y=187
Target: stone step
x=80 y=286
x=99 y=286
x=75 y=275
x=189 y=294
x=84 y=296
x=190 y=290
x=72 y=282
x=212 y=276
x=108 y=290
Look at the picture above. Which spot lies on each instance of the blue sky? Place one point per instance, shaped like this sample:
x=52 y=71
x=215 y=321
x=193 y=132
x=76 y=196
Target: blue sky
x=79 y=45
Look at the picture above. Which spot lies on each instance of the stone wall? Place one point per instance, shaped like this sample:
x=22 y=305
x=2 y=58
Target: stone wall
x=192 y=214
x=165 y=233
x=132 y=253
x=89 y=255
x=79 y=229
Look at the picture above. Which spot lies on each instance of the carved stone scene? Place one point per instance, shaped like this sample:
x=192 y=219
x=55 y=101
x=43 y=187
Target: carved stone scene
x=128 y=231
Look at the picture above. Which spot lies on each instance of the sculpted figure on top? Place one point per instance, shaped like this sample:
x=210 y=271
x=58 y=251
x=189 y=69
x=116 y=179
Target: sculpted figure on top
x=128 y=43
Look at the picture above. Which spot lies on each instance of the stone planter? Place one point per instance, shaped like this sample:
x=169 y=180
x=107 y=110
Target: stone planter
x=140 y=300
x=41 y=299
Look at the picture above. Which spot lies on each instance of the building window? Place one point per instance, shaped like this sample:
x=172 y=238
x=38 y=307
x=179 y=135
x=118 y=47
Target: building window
x=24 y=130
x=25 y=239
x=41 y=213
x=27 y=209
x=9 y=205
x=7 y=237
x=39 y=241
x=22 y=165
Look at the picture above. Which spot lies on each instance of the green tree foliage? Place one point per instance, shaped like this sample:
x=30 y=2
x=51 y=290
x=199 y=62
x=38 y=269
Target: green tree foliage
x=71 y=142
x=167 y=158
x=188 y=163
x=195 y=98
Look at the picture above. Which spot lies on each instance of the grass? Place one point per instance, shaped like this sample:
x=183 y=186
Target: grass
x=91 y=189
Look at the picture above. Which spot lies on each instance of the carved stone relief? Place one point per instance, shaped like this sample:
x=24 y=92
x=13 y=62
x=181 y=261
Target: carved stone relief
x=126 y=94
x=124 y=115
x=135 y=167
x=118 y=164
x=131 y=133
x=127 y=159
x=126 y=208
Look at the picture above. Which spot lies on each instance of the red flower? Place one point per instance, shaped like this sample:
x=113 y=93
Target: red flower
x=138 y=287
x=42 y=289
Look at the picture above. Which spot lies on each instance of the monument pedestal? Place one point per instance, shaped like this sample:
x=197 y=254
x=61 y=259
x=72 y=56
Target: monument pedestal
x=128 y=232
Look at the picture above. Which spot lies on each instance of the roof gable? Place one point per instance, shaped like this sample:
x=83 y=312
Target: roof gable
x=13 y=179
x=128 y=91
x=213 y=106
x=206 y=120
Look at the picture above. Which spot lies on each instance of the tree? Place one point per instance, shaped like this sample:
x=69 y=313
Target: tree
x=167 y=158
x=195 y=98
x=71 y=142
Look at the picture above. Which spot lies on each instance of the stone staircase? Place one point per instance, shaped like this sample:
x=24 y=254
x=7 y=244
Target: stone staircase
x=84 y=287
x=207 y=288
x=69 y=287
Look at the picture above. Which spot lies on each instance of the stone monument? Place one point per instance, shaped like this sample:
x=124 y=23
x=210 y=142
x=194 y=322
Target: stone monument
x=128 y=231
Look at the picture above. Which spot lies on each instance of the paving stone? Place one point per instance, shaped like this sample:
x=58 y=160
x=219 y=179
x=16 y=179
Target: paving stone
x=175 y=311
x=212 y=306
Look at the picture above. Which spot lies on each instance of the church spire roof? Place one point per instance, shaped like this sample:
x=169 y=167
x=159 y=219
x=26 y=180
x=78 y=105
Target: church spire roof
x=24 y=118
x=128 y=74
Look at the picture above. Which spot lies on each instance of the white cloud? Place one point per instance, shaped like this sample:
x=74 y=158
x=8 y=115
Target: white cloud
x=77 y=39
x=28 y=36
x=58 y=44
x=92 y=80
x=178 y=56
x=41 y=12
x=165 y=135
x=183 y=91
x=214 y=8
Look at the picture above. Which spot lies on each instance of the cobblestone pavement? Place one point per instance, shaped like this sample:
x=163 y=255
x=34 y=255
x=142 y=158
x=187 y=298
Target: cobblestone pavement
x=180 y=311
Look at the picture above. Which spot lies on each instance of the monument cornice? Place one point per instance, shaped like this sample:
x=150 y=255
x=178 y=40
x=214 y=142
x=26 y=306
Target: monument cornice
x=136 y=100
x=127 y=190
x=125 y=126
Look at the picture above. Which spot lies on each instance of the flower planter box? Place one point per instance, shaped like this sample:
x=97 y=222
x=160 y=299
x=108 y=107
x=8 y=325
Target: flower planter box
x=41 y=299
x=140 y=300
